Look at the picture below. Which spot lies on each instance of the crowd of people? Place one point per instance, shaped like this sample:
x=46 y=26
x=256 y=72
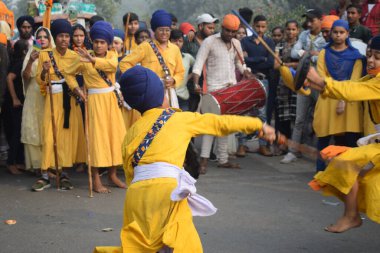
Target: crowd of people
x=60 y=84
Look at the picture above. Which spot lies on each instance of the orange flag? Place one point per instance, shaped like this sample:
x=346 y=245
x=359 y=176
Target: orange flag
x=47 y=14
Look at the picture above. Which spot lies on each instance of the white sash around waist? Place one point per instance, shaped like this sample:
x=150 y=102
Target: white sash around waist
x=101 y=90
x=56 y=86
x=369 y=139
x=200 y=206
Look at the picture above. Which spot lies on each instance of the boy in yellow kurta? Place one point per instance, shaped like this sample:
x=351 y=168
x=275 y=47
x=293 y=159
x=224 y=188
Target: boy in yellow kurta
x=157 y=214
x=338 y=119
x=106 y=126
x=133 y=25
x=354 y=176
x=68 y=118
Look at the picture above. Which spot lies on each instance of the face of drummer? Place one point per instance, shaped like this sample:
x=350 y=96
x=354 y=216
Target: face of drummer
x=162 y=34
x=100 y=47
x=260 y=27
x=373 y=59
x=62 y=41
x=227 y=35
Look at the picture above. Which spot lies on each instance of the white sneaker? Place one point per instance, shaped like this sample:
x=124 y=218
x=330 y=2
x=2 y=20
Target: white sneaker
x=288 y=158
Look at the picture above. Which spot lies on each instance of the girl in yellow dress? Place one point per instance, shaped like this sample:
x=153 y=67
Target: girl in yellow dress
x=161 y=199
x=106 y=126
x=67 y=112
x=338 y=119
x=354 y=176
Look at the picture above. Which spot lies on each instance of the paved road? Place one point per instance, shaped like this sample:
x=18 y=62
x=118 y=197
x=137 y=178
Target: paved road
x=265 y=207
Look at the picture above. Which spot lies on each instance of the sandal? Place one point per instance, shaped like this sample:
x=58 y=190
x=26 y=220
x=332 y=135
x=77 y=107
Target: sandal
x=66 y=184
x=41 y=185
x=229 y=165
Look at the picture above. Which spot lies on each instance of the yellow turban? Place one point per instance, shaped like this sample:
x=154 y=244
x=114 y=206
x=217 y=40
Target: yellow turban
x=231 y=22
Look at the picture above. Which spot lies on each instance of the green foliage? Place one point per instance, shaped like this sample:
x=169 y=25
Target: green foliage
x=106 y=8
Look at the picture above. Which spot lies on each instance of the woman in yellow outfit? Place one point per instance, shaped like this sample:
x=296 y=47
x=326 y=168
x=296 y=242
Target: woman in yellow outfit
x=354 y=176
x=334 y=118
x=106 y=126
x=68 y=118
x=155 y=216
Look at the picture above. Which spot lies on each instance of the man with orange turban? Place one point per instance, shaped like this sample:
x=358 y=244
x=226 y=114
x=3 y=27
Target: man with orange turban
x=216 y=53
x=327 y=22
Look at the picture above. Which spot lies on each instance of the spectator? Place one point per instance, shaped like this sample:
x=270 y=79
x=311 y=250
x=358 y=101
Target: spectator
x=176 y=37
x=327 y=22
x=12 y=108
x=357 y=31
x=371 y=16
x=141 y=36
x=310 y=41
x=174 y=22
x=247 y=14
x=133 y=27
x=277 y=34
x=261 y=62
x=25 y=28
x=241 y=33
x=337 y=119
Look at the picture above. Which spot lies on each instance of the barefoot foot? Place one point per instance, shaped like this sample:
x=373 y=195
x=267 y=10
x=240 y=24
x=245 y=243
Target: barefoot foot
x=114 y=180
x=14 y=170
x=345 y=223
x=99 y=188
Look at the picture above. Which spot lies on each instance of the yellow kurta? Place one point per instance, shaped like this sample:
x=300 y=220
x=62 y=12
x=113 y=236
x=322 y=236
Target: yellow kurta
x=145 y=55
x=130 y=44
x=70 y=141
x=151 y=219
x=130 y=117
x=326 y=120
x=106 y=125
x=343 y=171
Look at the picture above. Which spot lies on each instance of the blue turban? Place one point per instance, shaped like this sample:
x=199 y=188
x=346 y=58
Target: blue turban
x=142 y=89
x=102 y=30
x=119 y=33
x=160 y=18
x=341 y=23
x=375 y=43
x=22 y=19
x=60 y=26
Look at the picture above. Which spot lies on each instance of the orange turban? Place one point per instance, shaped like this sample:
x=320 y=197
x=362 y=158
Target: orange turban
x=186 y=28
x=3 y=39
x=327 y=21
x=231 y=22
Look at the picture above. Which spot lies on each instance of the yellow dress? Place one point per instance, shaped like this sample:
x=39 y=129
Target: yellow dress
x=326 y=120
x=130 y=117
x=145 y=55
x=343 y=171
x=70 y=141
x=130 y=44
x=106 y=125
x=151 y=219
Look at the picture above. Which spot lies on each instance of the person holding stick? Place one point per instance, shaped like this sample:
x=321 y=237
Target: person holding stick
x=131 y=26
x=67 y=113
x=158 y=213
x=354 y=175
x=106 y=127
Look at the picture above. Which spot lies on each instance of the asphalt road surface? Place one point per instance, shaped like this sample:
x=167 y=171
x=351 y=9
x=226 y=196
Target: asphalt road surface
x=264 y=207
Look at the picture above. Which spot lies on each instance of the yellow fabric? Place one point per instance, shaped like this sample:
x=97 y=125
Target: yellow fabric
x=364 y=89
x=326 y=120
x=108 y=249
x=151 y=219
x=71 y=141
x=106 y=125
x=130 y=117
x=145 y=55
x=130 y=43
x=342 y=172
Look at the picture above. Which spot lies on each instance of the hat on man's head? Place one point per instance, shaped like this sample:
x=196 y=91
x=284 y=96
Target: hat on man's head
x=102 y=30
x=313 y=13
x=160 y=18
x=231 y=22
x=142 y=89
x=327 y=21
x=206 y=18
x=22 y=19
x=186 y=28
x=60 y=26
x=375 y=43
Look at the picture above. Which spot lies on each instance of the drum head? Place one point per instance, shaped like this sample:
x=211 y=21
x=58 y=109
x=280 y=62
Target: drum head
x=210 y=105
x=302 y=70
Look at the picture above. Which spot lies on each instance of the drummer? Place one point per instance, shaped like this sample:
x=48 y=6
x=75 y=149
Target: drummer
x=216 y=53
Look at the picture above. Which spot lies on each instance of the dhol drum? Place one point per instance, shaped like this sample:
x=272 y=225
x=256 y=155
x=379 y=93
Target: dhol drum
x=237 y=99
